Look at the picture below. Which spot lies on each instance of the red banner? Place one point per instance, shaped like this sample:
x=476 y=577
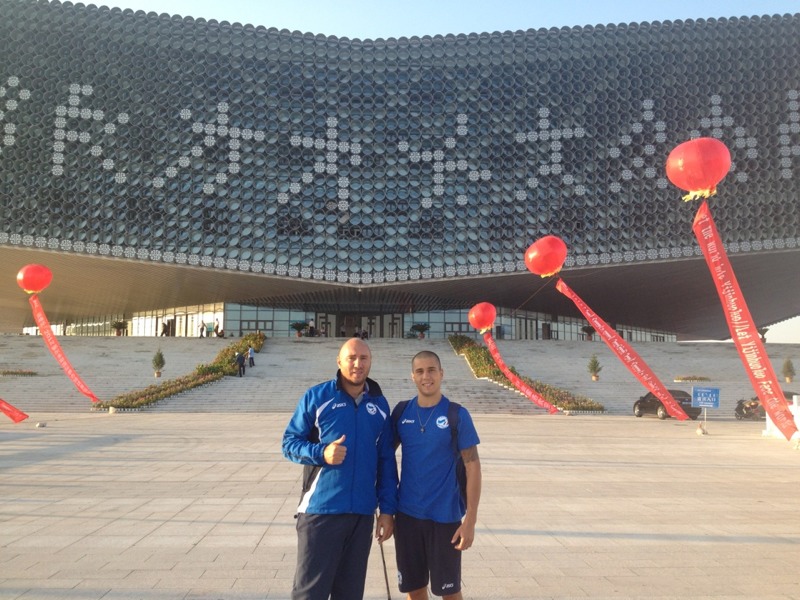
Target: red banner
x=524 y=388
x=55 y=348
x=629 y=357
x=744 y=332
x=12 y=412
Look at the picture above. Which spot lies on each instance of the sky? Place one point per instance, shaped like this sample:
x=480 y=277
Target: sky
x=373 y=19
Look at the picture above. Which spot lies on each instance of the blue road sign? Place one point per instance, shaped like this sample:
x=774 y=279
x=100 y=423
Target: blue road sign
x=705 y=397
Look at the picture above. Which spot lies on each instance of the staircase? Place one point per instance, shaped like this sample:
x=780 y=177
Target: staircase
x=286 y=367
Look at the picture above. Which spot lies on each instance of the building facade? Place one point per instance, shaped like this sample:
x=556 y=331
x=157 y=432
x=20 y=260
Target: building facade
x=392 y=179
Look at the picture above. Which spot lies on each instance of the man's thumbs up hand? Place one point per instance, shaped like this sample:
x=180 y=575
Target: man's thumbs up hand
x=335 y=452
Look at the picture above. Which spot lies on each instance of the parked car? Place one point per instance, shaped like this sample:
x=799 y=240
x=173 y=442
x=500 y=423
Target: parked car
x=650 y=405
x=750 y=408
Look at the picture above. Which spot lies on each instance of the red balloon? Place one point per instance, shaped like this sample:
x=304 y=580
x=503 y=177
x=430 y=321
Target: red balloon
x=698 y=165
x=546 y=256
x=481 y=316
x=34 y=278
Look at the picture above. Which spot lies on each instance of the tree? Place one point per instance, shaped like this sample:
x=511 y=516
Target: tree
x=788 y=370
x=420 y=329
x=158 y=362
x=119 y=326
x=299 y=327
x=594 y=367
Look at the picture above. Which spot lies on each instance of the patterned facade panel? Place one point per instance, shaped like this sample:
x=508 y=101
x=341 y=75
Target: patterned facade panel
x=180 y=140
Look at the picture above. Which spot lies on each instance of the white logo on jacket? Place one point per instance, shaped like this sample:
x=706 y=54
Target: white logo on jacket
x=442 y=422
x=340 y=405
x=371 y=408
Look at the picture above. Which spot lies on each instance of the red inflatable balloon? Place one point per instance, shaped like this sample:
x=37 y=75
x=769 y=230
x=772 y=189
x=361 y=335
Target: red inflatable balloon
x=698 y=165
x=546 y=256
x=482 y=315
x=34 y=278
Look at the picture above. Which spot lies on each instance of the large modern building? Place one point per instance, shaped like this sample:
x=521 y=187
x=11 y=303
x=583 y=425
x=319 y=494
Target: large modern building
x=170 y=169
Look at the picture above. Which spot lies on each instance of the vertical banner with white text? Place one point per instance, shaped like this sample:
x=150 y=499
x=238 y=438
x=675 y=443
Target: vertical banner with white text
x=743 y=330
x=629 y=357
x=55 y=348
x=521 y=386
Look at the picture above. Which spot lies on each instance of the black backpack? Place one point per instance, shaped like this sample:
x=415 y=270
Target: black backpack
x=452 y=420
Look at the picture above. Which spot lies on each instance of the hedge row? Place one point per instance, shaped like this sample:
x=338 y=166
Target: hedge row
x=223 y=364
x=482 y=364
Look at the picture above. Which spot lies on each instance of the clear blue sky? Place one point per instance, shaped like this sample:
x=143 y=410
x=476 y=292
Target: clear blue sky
x=371 y=19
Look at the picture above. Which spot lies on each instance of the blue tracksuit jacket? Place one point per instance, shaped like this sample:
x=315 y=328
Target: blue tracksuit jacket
x=368 y=476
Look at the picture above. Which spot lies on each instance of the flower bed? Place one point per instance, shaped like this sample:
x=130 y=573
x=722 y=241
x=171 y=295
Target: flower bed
x=222 y=365
x=482 y=364
x=17 y=373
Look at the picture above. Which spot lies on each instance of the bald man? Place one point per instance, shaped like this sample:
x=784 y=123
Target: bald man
x=342 y=433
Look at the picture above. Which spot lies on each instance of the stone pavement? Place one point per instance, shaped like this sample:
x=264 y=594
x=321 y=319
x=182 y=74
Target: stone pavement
x=162 y=506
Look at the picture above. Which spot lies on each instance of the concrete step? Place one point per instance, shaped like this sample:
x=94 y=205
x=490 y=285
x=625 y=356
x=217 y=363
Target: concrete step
x=107 y=365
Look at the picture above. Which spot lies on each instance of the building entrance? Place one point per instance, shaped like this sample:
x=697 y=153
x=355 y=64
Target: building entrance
x=351 y=325
x=375 y=326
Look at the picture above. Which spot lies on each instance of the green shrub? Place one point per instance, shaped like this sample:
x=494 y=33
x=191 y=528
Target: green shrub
x=158 y=360
x=593 y=365
x=209 y=369
x=17 y=373
x=788 y=368
x=459 y=342
x=691 y=378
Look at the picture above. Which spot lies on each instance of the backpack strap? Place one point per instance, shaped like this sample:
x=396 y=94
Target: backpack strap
x=452 y=419
x=461 y=469
x=397 y=412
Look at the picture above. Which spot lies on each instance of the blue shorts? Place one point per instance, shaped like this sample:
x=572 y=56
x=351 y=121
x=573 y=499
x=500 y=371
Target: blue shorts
x=425 y=553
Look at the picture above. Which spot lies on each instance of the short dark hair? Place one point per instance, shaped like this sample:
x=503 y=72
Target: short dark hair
x=426 y=354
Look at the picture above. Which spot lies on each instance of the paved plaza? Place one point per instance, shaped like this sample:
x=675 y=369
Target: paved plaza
x=163 y=506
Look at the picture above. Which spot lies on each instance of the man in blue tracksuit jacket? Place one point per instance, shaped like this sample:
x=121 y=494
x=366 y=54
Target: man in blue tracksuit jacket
x=342 y=432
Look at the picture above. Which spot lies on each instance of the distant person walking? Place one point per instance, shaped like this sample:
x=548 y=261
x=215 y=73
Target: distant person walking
x=251 y=354
x=240 y=361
